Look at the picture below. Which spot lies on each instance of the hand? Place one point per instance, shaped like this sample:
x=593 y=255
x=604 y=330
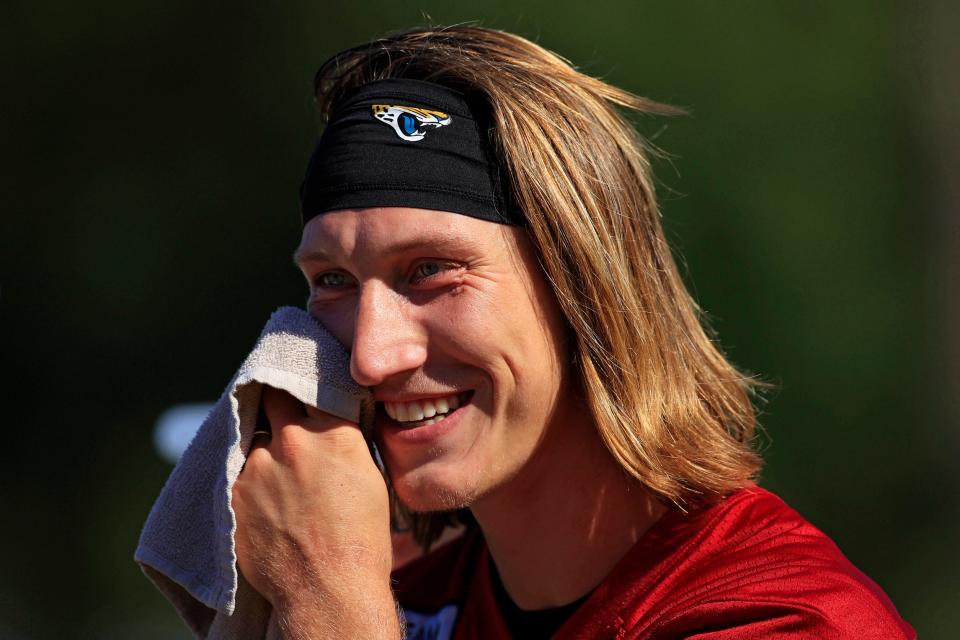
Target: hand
x=312 y=511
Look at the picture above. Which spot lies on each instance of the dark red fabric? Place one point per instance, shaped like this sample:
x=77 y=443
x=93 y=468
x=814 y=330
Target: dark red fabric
x=746 y=567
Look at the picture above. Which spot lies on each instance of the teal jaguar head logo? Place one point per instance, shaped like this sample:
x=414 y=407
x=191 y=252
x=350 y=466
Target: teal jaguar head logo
x=410 y=123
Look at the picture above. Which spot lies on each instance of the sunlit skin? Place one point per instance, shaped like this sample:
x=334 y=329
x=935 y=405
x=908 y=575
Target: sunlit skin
x=433 y=303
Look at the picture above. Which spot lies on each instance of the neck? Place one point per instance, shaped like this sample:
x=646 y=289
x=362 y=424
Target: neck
x=554 y=540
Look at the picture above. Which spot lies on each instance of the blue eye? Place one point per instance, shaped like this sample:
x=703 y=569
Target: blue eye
x=330 y=279
x=427 y=269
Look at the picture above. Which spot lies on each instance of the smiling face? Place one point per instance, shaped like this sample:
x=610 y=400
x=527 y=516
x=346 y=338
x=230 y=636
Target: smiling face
x=448 y=315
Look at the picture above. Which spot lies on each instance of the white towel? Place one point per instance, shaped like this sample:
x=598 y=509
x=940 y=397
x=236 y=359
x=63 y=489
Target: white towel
x=187 y=544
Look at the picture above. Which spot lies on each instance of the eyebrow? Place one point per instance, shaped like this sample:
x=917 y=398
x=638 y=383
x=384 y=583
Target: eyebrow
x=310 y=256
x=439 y=242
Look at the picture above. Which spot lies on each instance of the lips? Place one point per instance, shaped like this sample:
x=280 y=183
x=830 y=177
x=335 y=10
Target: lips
x=425 y=428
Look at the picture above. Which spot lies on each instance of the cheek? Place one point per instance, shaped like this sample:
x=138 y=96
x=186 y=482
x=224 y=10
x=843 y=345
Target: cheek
x=337 y=318
x=462 y=323
x=536 y=333
x=514 y=340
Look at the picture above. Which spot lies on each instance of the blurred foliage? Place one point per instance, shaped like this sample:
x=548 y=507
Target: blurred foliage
x=155 y=150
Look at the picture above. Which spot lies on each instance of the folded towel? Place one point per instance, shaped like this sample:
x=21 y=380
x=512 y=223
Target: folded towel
x=187 y=544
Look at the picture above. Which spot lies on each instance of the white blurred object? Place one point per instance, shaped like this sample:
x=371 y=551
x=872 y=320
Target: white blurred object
x=176 y=427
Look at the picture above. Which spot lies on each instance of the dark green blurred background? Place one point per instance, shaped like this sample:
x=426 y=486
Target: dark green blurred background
x=154 y=151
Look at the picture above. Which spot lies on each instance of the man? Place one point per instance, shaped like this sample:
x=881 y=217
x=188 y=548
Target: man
x=480 y=231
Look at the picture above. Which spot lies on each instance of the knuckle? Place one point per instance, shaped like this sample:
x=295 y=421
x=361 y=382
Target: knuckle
x=257 y=460
x=288 y=442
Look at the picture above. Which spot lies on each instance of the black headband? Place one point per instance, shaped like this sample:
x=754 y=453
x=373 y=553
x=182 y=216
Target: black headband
x=407 y=143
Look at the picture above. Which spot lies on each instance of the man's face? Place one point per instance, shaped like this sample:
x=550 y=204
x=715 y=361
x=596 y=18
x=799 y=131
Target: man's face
x=439 y=310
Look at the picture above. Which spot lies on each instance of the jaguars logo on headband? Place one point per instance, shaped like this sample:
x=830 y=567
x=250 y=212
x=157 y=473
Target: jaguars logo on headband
x=410 y=123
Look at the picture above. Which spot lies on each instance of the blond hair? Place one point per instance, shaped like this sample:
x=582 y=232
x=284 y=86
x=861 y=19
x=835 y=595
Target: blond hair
x=667 y=404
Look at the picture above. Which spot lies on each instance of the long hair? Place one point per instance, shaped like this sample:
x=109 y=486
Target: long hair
x=667 y=404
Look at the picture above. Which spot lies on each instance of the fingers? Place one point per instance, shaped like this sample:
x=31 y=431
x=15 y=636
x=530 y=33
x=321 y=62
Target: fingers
x=278 y=409
x=281 y=408
x=321 y=418
x=261 y=440
x=262 y=434
x=313 y=412
x=292 y=422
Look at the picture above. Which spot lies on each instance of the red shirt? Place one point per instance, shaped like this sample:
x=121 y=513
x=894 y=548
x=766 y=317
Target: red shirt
x=746 y=567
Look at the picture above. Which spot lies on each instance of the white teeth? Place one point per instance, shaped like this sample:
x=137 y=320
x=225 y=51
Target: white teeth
x=414 y=412
x=424 y=411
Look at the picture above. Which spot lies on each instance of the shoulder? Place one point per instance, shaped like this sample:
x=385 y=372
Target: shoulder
x=754 y=565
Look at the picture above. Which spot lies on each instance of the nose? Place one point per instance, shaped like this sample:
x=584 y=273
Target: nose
x=386 y=339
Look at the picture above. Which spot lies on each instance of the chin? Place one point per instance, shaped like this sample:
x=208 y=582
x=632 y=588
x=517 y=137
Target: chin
x=425 y=490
